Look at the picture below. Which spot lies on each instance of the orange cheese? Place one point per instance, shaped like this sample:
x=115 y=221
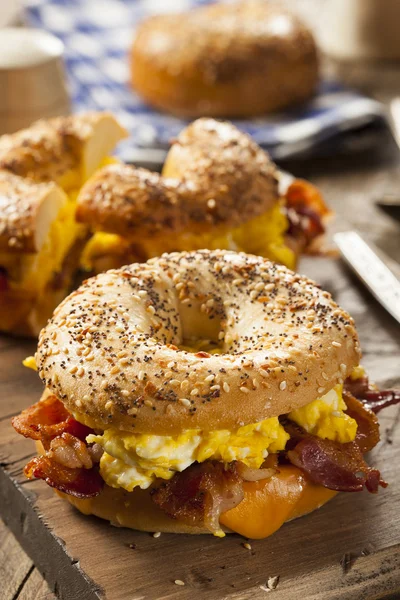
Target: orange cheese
x=268 y=503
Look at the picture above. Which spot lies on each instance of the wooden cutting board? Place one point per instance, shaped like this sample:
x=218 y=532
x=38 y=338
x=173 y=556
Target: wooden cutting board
x=348 y=549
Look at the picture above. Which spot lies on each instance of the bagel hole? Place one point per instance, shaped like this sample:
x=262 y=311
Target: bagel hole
x=200 y=330
x=195 y=345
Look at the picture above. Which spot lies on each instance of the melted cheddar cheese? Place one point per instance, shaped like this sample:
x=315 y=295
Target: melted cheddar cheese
x=269 y=503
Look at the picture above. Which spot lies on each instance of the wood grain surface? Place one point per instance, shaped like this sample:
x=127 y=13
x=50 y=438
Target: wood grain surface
x=350 y=549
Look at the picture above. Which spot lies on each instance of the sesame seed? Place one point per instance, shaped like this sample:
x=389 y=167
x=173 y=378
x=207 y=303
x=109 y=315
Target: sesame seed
x=245 y=390
x=73 y=370
x=184 y=401
x=179 y=582
x=211 y=203
x=157 y=534
x=246 y=545
x=194 y=392
x=337 y=344
x=226 y=387
x=282 y=385
x=321 y=390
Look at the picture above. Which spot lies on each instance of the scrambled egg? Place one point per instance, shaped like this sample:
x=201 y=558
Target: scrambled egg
x=263 y=235
x=132 y=460
x=32 y=272
x=30 y=363
x=358 y=373
x=325 y=418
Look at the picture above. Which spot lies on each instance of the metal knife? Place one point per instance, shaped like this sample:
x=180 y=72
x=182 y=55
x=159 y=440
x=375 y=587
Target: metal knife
x=371 y=270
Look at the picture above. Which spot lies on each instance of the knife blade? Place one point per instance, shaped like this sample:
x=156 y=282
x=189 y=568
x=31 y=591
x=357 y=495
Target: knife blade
x=371 y=270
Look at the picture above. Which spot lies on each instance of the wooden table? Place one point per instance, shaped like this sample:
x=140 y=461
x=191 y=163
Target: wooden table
x=326 y=555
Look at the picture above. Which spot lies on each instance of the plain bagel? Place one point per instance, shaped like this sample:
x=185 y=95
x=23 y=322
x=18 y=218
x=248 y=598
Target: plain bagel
x=111 y=352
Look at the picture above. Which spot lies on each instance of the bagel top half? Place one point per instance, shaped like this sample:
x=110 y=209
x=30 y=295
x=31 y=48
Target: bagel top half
x=111 y=351
x=65 y=150
x=214 y=175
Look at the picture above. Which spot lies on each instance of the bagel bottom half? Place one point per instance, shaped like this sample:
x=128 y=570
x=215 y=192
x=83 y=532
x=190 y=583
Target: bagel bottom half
x=266 y=506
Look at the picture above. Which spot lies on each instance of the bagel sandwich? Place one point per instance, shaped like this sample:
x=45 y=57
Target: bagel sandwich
x=218 y=189
x=41 y=171
x=202 y=392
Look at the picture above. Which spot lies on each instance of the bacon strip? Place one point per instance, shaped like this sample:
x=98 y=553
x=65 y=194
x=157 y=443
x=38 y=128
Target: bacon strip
x=82 y=483
x=367 y=423
x=199 y=494
x=68 y=461
x=373 y=398
x=336 y=466
x=3 y=280
x=305 y=210
x=48 y=419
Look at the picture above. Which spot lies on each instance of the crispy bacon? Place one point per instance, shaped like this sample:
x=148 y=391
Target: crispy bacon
x=48 y=419
x=68 y=463
x=3 y=280
x=199 y=494
x=305 y=210
x=373 y=398
x=69 y=451
x=81 y=483
x=367 y=422
x=333 y=465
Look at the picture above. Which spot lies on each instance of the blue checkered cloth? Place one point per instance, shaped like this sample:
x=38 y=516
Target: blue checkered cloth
x=98 y=34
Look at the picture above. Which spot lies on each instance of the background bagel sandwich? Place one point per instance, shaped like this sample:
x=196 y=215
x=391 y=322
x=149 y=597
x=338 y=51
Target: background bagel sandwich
x=236 y=59
x=41 y=171
x=202 y=392
x=218 y=189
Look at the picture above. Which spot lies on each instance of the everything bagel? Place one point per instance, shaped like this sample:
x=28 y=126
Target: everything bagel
x=283 y=341
x=225 y=60
x=214 y=175
x=218 y=189
x=201 y=392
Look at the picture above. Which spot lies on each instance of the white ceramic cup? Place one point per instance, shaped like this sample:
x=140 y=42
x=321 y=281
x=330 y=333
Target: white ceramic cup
x=32 y=78
x=365 y=29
